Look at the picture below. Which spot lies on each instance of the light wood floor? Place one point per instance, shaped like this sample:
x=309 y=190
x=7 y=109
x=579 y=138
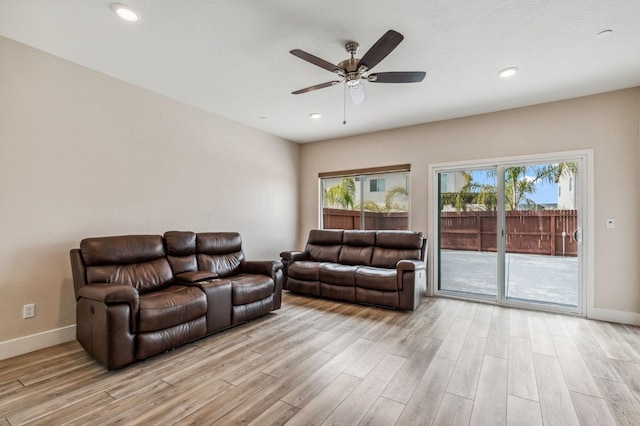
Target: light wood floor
x=322 y=362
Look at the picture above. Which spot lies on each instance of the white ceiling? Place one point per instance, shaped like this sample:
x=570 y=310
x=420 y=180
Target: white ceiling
x=231 y=57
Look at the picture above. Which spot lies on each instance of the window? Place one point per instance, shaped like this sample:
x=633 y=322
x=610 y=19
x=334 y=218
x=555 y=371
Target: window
x=376 y=198
x=443 y=182
x=376 y=185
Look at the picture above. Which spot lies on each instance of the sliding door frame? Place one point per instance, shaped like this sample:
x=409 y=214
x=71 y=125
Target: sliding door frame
x=586 y=222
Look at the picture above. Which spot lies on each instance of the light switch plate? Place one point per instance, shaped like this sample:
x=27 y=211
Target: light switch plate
x=611 y=223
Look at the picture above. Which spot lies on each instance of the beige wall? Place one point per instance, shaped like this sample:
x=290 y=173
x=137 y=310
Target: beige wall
x=607 y=123
x=83 y=154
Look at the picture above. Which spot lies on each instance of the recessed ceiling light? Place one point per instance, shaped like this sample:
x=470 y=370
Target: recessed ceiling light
x=125 y=12
x=315 y=115
x=508 y=72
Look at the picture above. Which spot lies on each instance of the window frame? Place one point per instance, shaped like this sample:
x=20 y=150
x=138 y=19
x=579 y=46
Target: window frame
x=360 y=177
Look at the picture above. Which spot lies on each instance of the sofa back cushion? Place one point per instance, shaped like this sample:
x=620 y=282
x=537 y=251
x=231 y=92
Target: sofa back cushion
x=181 y=251
x=357 y=248
x=219 y=252
x=393 y=246
x=135 y=260
x=324 y=245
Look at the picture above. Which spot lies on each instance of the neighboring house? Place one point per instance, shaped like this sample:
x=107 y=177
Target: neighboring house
x=567 y=192
x=375 y=186
x=451 y=182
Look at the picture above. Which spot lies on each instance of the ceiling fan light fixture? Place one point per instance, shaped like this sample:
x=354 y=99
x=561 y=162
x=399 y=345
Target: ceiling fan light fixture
x=352 y=79
x=508 y=72
x=125 y=12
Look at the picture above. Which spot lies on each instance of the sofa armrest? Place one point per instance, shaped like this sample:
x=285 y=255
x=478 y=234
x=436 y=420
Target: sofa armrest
x=407 y=265
x=195 y=276
x=292 y=256
x=79 y=271
x=113 y=293
x=410 y=265
x=265 y=267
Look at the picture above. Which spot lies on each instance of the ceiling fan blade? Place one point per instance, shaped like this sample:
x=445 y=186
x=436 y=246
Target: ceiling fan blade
x=316 y=87
x=357 y=94
x=315 y=60
x=397 y=77
x=389 y=41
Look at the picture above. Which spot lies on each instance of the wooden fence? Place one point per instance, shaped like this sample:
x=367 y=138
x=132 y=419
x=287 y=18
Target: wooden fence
x=532 y=232
x=350 y=219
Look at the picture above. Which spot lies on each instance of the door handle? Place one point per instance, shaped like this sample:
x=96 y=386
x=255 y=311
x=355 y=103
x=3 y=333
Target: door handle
x=577 y=232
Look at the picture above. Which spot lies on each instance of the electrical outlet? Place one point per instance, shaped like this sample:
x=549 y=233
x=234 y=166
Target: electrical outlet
x=29 y=311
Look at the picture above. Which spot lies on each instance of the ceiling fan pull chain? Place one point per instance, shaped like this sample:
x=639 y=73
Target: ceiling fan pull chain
x=344 y=106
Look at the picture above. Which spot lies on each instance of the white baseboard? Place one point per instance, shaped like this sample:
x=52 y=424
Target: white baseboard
x=23 y=345
x=624 y=317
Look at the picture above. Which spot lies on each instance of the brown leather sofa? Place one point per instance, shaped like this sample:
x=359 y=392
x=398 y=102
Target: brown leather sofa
x=141 y=295
x=384 y=268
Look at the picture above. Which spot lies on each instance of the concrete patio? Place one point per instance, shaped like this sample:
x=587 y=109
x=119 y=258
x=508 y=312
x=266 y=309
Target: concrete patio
x=542 y=279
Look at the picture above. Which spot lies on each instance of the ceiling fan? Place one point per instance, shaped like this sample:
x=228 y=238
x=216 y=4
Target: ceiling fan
x=354 y=71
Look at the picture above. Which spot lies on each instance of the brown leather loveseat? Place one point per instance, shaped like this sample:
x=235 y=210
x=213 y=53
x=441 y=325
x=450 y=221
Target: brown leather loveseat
x=141 y=295
x=384 y=268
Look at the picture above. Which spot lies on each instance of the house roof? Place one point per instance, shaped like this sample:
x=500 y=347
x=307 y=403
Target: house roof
x=232 y=57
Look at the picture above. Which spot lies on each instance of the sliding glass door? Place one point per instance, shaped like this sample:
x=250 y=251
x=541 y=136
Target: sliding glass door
x=468 y=257
x=511 y=233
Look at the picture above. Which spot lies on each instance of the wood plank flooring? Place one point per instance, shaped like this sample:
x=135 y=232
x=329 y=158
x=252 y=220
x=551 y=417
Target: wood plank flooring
x=319 y=362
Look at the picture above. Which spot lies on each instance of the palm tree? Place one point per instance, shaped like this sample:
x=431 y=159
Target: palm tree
x=522 y=180
x=488 y=197
x=341 y=195
x=396 y=199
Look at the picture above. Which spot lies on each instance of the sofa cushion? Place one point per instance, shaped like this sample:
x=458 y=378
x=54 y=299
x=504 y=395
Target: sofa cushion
x=248 y=288
x=323 y=253
x=337 y=274
x=355 y=255
x=121 y=249
x=393 y=246
x=180 y=243
x=174 y=305
x=305 y=270
x=181 y=251
x=377 y=278
x=399 y=239
x=219 y=252
x=144 y=276
x=325 y=237
x=389 y=258
x=324 y=245
x=218 y=242
x=359 y=238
